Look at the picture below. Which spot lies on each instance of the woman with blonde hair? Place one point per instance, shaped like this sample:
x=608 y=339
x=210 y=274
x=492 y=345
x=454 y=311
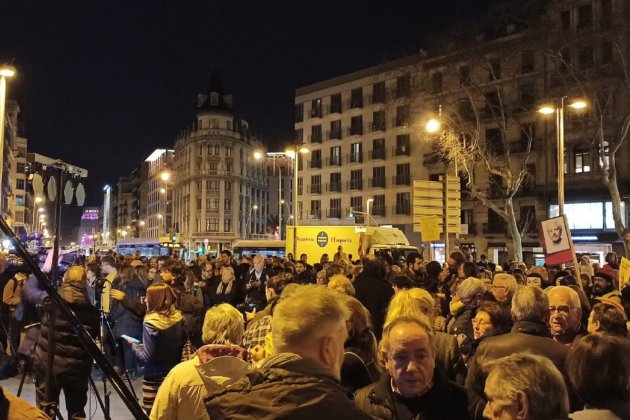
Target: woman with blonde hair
x=163 y=339
x=342 y=284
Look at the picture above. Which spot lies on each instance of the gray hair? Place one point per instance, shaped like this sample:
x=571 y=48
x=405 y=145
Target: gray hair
x=537 y=378
x=530 y=304
x=308 y=314
x=508 y=280
x=573 y=296
x=422 y=321
x=223 y=324
x=471 y=287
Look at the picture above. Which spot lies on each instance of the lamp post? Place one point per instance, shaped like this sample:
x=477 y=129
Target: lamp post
x=253 y=208
x=294 y=154
x=165 y=176
x=258 y=155
x=432 y=126
x=5 y=73
x=368 y=208
x=558 y=109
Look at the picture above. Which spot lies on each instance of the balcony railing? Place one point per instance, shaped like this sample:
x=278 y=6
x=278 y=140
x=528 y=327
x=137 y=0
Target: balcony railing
x=377 y=153
x=496 y=228
x=333 y=213
x=402 y=150
x=355 y=157
x=378 y=182
x=378 y=210
x=402 y=179
x=333 y=161
x=315 y=189
x=315 y=164
x=402 y=208
x=334 y=187
x=356 y=184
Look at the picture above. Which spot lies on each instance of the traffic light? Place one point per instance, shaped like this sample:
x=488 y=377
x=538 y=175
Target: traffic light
x=350 y=213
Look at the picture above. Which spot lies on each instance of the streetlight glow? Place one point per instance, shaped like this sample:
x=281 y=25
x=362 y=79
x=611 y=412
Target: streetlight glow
x=7 y=71
x=433 y=125
x=546 y=110
x=165 y=176
x=579 y=104
x=258 y=155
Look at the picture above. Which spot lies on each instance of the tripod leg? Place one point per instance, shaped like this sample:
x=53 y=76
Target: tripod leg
x=99 y=399
x=22 y=379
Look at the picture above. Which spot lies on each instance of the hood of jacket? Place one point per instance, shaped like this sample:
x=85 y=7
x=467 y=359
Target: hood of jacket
x=221 y=366
x=75 y=293
x=161 y=321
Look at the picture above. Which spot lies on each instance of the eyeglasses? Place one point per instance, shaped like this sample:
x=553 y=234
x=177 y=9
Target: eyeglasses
x=480 y=322
x=560 y=309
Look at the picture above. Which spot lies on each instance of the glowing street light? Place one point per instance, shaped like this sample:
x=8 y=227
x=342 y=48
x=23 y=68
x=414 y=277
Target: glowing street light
x=558 y=109
x=5 y=73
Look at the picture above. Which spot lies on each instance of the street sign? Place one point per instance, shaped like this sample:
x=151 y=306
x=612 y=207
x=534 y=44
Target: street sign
x=430 y=228
x=437 y=198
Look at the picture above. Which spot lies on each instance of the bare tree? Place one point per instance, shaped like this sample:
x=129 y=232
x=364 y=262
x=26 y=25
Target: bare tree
x=597 y=67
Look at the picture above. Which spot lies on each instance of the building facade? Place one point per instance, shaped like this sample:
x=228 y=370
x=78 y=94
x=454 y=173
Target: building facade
x=157 y=191
x=220 y=189
x=367 y=142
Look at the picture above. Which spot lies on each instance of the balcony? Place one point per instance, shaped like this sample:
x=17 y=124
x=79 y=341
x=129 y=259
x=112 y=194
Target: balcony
x=377 y=153
x=333 y=213
x=314 y=214
x=315 y=164
x=315 y=189
x=430 y=158
x=333 y=135
x=315 y=138
x=378 y=210
x=378 y=126
x=355 y=130
x=355 y=157
x=378 y=182
x=333 y=161
x=402 y=150
x=402 y=179
x=334 y=187
x=356 y=184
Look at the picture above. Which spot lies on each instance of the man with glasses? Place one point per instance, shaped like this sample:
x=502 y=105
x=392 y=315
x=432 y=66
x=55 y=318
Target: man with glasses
x=565 y=315
x=530 y=334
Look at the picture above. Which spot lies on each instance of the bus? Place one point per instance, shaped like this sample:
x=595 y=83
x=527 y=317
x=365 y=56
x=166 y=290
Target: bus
x=262 y=247
x=148 y=247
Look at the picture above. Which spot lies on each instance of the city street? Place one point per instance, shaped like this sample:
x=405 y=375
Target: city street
x=92 y=409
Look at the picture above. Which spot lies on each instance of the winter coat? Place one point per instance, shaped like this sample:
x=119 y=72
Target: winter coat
x=70 y=355
x=256 y=295
x=213 y=367
x=163 y=339
x=285 y=387
x=608 y=410
x=125 y=321
x=374 y=293
x=445 y=400
x=233 y=297
x=526 y=336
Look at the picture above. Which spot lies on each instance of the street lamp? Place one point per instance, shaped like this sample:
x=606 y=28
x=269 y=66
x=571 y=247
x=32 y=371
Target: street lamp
x=558 y=109
x=165 y=176
x=253 y=208
x=367 y=208
x=5 y=73
x=293 y=153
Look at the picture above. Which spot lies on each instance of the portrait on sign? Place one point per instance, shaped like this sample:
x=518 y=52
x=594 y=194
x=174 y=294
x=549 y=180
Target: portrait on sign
x=556 y=235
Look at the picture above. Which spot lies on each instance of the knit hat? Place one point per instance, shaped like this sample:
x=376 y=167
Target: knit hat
x=604 y=276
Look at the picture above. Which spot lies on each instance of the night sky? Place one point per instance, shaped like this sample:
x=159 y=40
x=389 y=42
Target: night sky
x=101 y=84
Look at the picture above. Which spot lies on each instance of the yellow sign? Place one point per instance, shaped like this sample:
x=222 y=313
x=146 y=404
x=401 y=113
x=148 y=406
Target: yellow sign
x=429 y=228
x=624 y=272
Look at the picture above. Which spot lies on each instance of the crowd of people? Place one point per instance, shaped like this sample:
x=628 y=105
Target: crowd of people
x=371 y=338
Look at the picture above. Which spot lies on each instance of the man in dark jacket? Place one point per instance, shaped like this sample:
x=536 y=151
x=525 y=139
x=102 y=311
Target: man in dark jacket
x=302 y=380
x=72 y=364
x=374 y=292
x=530 y=334
x=413 y=387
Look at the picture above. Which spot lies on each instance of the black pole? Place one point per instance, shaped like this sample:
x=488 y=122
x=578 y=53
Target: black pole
x=85 y=338
x=50 y=406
